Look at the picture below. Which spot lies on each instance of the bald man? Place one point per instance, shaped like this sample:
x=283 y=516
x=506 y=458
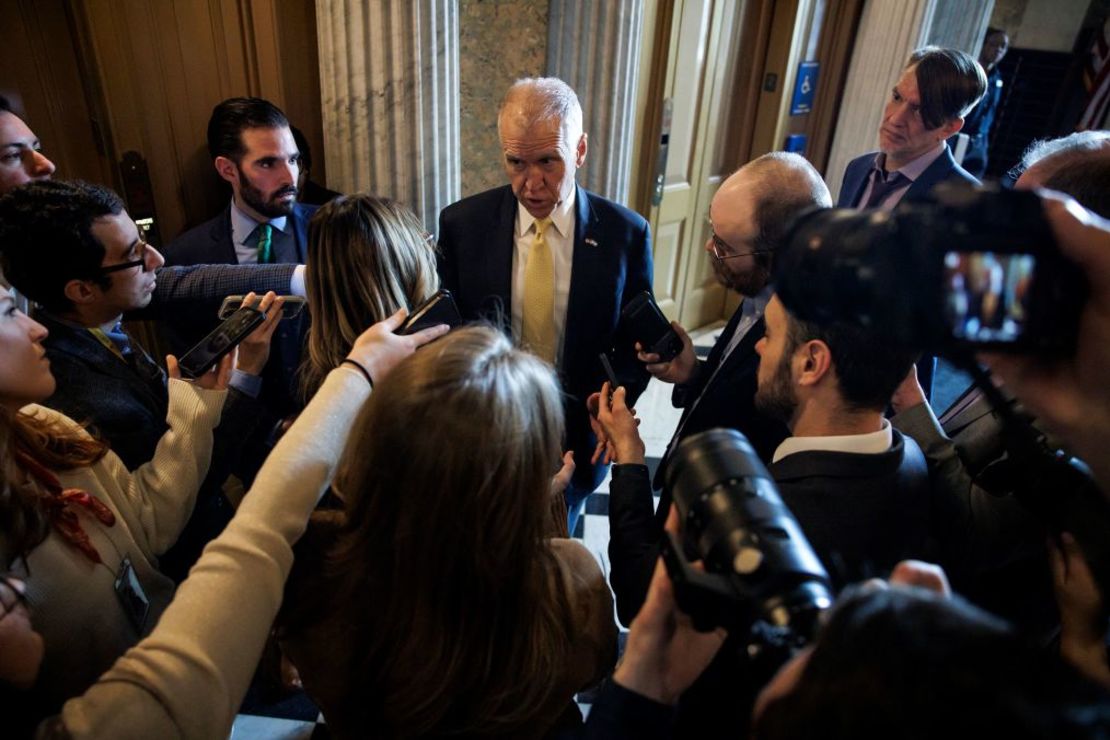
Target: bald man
x=749 y=216
x=550 y=262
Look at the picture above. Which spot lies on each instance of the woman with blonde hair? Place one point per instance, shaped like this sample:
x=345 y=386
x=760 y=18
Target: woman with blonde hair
x=434 y=603
x=367 y=258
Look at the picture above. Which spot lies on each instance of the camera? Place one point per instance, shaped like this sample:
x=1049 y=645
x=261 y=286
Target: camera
x=759 y=566
x=966 y=268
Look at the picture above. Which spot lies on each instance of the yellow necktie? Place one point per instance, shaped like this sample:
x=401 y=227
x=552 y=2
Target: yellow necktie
x=537 y=331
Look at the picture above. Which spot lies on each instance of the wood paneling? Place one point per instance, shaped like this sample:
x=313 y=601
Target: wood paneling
x=125 y=75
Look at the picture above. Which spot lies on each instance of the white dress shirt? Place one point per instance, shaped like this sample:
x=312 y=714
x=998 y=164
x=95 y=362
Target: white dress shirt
x=872 y=443
x=560 y=240
x=242 y=226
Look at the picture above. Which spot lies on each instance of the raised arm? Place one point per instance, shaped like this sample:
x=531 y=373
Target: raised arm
x=188 y=677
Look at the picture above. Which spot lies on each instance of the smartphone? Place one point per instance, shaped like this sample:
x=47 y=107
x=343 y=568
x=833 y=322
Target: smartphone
x=439 y=309
x=642 y=320
x=613 y=382
x=224 y=338
x=292 y=308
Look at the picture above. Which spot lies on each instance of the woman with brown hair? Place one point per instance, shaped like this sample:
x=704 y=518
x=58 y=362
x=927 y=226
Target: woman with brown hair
x=367 y=257
x=434 y=603
x=77 y=527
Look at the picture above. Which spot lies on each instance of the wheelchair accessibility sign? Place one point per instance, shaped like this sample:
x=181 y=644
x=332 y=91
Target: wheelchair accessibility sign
x=805 y=85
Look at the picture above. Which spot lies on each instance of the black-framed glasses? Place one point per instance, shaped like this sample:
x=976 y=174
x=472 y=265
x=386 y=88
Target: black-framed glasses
x=144 y=247
x=722 y=250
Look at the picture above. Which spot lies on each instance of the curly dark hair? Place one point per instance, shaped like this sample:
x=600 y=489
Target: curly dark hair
x=46 y=238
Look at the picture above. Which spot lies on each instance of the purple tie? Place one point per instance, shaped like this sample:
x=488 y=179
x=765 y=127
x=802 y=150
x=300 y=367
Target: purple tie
x=882 y=185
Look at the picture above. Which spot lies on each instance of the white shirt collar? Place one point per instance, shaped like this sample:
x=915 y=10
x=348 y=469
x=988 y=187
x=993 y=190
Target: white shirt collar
x=872 y=443
x=242 y=225
x=562 y=217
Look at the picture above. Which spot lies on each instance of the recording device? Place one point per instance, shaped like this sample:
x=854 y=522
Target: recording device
x=967 y=269
x=642 y=320
x=224 y=338
x=439 y=309
x=291 y=307
x=759 y=567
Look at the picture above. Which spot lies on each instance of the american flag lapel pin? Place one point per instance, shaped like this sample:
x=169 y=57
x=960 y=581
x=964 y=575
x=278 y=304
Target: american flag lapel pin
x=591 y=242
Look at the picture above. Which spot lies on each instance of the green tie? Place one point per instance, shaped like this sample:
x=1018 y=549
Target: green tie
x=264 y=232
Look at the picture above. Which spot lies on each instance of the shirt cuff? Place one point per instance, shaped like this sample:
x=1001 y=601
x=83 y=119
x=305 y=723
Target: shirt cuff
x=245 y=383
x=630 y=470
x=296 y=283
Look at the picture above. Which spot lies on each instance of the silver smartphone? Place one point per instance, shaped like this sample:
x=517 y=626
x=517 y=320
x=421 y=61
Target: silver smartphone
x=294 y=304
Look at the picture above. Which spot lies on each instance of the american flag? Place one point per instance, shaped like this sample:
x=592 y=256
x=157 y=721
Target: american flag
x=1096 y=78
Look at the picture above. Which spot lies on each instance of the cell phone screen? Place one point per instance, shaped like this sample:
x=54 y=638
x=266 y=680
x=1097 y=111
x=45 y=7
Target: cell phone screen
x=987 y=295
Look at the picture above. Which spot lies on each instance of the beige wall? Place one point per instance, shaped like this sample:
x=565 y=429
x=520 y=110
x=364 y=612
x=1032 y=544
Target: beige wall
x=1047 y=25
x=499 y=41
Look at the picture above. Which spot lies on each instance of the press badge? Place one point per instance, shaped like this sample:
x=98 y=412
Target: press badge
x=131 y=595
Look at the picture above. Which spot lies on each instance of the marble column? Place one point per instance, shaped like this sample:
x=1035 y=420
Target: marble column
x=960 y=24
x=389 y=89
x=594 y=46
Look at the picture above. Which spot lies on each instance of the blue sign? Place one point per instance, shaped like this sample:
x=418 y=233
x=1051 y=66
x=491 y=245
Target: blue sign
x=796 y=143
x=805 y=85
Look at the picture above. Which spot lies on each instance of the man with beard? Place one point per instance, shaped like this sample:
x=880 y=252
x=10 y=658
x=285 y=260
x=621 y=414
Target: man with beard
x=858 y=487
x=749 y=216
x=252 y=148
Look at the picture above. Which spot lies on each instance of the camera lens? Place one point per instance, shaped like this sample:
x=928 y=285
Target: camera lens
x=735 y=521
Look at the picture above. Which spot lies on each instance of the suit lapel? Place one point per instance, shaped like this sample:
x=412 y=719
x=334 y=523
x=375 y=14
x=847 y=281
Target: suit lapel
x=586 y=262
x=941 y=167
x=858 y=180
x=498 y=259
x=223 y=244
x=714 y=358
x=82 y=345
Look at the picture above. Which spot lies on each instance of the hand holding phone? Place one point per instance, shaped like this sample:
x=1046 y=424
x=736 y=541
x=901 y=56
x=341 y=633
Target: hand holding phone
x=439 y=309
x=647 y=325
x=222 y=340
x=291 y=308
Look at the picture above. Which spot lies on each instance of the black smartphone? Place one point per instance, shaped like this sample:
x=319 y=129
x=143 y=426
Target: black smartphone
x=613 y=382
x=291 y=308
x=224 y=338
x=439 y=309
x=645 y=323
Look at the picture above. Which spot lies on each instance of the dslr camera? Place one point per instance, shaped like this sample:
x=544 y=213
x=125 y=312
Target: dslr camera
x=759 y=569
x=967 y=269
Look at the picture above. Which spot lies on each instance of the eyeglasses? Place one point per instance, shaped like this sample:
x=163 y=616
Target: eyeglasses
x=722 y=250
x=144 y=247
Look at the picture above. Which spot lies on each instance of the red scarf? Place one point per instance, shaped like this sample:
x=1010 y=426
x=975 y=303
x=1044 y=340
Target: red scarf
x=58 y=501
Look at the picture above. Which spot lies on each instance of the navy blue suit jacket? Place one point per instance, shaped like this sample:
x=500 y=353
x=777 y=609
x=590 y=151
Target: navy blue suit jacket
x=611 y=265
x=855 y=178
x=210 y=243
